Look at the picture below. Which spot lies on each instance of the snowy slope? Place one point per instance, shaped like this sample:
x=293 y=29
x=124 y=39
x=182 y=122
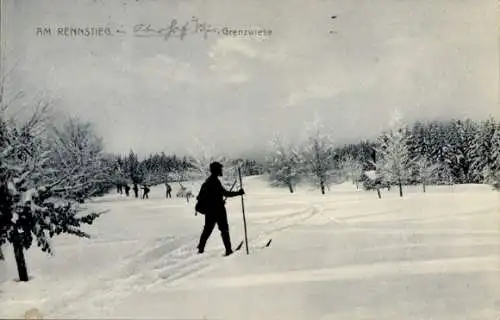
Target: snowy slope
x=345 y=255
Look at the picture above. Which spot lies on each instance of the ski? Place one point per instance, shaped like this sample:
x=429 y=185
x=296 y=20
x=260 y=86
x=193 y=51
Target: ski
x=239 y=246
x=260 y=247
x=268 y=244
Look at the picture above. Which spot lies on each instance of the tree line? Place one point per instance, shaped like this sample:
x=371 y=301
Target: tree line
x=434 y=152
x=158 y=168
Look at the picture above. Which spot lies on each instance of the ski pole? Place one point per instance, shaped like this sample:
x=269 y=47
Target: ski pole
x=232 y=187
x=243 y=210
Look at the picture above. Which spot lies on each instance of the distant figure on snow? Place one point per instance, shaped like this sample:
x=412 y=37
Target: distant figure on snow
x=169 y=190
x=189 y=195
x=184 y=192
x=212 y=195
x=136 y=190
x=145 y=192
x=127 y=190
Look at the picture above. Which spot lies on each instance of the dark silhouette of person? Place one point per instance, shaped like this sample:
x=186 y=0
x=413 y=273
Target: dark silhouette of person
x=136 y=190
x=169 y=190
x=216 y=214
x=127 y=190
x=119 y=188
x=145 y=192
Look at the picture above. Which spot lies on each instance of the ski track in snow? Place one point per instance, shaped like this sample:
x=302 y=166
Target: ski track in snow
x=107 y=282
x=174 y=263
x=168 y=263
x=363 y=271
x=165 y=265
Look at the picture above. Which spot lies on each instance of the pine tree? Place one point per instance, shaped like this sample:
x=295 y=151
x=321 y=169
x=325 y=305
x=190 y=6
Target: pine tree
x=436 y=135
x=481 y=152
x=135 y=171
x=468 y=131
x=459 y=143
x=492 y=172
x=118 y=170
x=418 y=146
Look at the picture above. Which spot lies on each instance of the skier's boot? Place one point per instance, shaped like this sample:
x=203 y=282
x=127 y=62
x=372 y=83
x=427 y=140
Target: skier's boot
x=200 y=249
x=203 y=240
x=227 y=243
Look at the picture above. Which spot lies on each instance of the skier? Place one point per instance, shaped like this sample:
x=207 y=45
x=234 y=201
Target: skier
x=127 y=190
x=146 y=192
x=169 y=190
x=119 y=189
x=213 y=194
x=136 y=190
x=189 y=194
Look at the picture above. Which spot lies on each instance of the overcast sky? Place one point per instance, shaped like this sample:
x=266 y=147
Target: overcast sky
x=427 y=58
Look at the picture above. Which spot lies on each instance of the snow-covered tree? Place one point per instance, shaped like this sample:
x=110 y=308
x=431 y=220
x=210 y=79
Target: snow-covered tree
x=34 y=204
x=491 y=173
x=482 y=151
x=283 y=163
x=426 y=171
x=318 y=157
x=251 y=167
x=370 y=180
x=134 y=167
x=77 y=152
x=352 y=169
x=435 y=136
x=157 y=169
x=393 y=162
x=118 y=171
x=457 y=148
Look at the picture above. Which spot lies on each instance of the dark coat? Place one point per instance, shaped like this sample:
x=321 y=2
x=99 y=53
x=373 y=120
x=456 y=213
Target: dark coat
x=214 y=194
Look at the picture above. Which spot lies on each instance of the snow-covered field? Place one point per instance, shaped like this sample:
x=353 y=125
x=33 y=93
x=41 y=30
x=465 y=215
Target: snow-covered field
x=344 y=255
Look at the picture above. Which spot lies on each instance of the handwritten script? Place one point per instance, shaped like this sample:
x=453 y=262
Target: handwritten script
x=175 y=29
